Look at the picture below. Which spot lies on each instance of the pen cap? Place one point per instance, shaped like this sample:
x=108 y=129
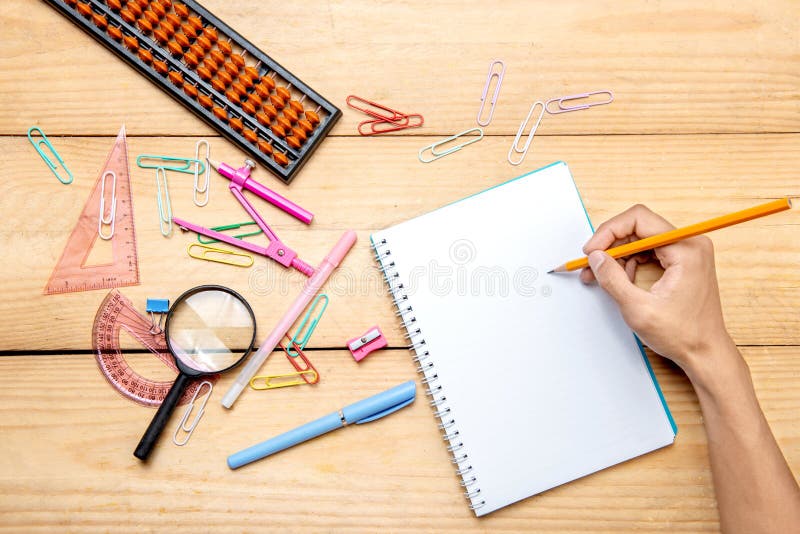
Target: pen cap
x=382 y=402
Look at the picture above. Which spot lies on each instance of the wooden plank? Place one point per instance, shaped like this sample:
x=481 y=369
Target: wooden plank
x=684 y=177
x=70 y=439
x=681 y=67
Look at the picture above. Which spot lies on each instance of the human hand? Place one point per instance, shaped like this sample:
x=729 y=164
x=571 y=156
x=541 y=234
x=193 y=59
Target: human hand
x=680 y=317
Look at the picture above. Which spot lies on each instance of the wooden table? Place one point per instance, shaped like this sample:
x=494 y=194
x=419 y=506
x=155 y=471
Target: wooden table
x=706 y=120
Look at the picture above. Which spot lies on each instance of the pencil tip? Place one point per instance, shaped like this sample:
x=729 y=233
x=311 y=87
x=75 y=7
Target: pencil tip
x=551 y=271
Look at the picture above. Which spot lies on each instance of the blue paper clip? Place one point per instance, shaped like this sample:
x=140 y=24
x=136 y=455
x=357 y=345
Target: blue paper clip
x=306 y=326
x=37 y=144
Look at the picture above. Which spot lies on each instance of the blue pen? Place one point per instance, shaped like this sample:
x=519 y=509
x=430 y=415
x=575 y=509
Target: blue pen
x=364 y=411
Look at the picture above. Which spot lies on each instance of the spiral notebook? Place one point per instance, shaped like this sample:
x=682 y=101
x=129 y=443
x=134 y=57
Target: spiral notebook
x=535 y=378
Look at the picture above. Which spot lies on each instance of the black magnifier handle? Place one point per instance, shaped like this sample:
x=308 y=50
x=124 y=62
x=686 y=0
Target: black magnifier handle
x=161 y=417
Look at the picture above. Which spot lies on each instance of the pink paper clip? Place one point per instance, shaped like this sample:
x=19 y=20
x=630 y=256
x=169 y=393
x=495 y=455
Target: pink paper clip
x=361 y=346
x=564 y=109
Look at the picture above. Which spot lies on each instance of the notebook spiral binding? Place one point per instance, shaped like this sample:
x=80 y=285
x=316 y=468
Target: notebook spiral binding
x=427 y=369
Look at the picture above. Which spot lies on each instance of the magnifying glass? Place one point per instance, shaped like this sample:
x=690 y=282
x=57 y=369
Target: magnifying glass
x=209 y=329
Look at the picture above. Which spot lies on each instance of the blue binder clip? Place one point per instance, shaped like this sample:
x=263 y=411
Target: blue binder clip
x=160 y=307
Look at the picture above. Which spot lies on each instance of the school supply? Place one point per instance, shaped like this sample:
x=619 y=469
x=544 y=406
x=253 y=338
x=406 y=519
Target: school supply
x=188 y=431
x=308 y=324
x=160 y=307
x=204 y=191
x=494 y=74
x=163 y=203
x=285 y=380
x=40 y=140
x=276 y=249
x=515 y=148
x=679 y=234
x=367 y=410
x=115 y=314
x=219 y=255
x=536 y=381
x=362 y=346
x=70 y=273
x=225 y=227
x=170 y=163
x=298 y=359
x=384 y=119
x=436 y=155
x=217 y=74
x=209 y=329
x=240 y=178
x=561 y=108
x=310 y=289
x=104 y=220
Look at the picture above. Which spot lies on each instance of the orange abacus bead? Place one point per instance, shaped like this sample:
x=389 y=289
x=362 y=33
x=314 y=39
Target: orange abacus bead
x=255 y=99
x=217 y=84
x=246 y=82
x=174 y=20
x=225 y=47
x=182 y=40
x=127 y=16
x=252 y=72
x=270 y=110
x=197 y=50
x=249 y=107
x=115 y=33
x=278 y=130
x=296 y=106
x=312 y=117
x=161 y=35
x=233 y=96
x=211 y=65
x=190 y=90
x=130 y=42
x=204 y=73
x=160 y=67
x=220 y=113
x=144 y=25
x=181 y=10
x=261 y=90
x=191 y=60
x=159 y=9
x=71 y=3
x=176 y=78
x=145 y=55
x=280 y=158
x=293 y=142
x=236 y=124
x=142 y=3
x=204 y=42
x=166 y=3
x=205 y=101
x=284 y=123
x=277 y=101
x=237 y=60
x=211 y=34
x=175 y=49
x=232 y=68
x=300 y=134
x=268 y=82
x=264 y=147
x=189 y=30
x=84 y=9
x=134 y=8
x=250 y=135
x=168 y=27
x=115 y=5
x=305 y=125
x=263 y=118
x=99 y=21
x=284 y=93
x=218 y=57
x=225 y=78
x=239 y=88
x=290 y=114
x=196 y=22
x=151 y=17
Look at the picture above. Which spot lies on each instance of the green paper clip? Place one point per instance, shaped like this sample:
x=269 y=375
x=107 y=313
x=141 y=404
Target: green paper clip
x=207 y=240
x=164 y=162
x=311 y=326
x=37 y=144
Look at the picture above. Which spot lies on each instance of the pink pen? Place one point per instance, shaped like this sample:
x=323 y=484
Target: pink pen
x=311 y=288
x=241 y=177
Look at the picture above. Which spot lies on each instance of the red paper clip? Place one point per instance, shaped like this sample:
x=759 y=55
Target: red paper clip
x=392 y=119
x=392 y=126
x=296 y=361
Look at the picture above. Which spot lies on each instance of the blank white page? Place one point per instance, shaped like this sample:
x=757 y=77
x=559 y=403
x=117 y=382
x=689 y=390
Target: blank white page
x=544 y=381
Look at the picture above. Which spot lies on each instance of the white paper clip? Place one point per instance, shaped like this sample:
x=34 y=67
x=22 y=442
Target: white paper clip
x=436 y=155
x=163 y=202
x=200 y=411
x=102 y=220
x=206 y=189
x=515 y=149
x=499 y=76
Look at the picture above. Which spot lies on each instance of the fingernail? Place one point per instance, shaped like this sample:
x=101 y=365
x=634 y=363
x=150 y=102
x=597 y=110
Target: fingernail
x=596 y=259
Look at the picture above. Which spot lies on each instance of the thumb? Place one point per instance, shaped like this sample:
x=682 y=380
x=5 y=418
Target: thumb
x=611 y=277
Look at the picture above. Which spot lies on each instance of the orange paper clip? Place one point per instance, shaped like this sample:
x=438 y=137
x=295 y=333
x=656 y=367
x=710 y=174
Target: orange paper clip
x=300 y=362
x=384 y=119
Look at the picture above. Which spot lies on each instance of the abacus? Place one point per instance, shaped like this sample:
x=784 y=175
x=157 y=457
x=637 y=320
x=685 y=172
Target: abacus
x=216 y=73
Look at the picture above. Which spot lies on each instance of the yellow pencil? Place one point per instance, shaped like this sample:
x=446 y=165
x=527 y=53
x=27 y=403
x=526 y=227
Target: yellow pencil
x=678 y=234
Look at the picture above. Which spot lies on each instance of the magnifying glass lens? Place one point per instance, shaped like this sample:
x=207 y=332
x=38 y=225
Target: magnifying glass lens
x=210 y=330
